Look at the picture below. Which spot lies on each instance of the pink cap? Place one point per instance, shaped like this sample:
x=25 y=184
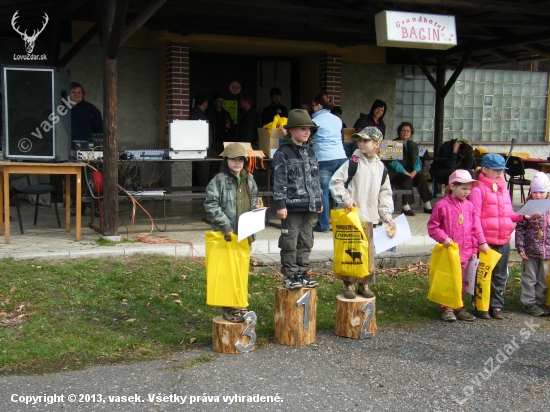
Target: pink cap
x=462 y=176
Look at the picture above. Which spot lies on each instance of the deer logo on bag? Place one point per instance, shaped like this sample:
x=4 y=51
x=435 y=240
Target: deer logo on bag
x=354 y=254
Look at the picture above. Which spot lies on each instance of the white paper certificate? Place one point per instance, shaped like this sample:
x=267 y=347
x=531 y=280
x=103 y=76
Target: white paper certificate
x=383 y=242
x=534 y=206
x=251 y=222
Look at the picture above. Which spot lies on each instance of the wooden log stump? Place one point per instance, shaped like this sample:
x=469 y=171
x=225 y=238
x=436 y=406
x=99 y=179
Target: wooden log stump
x=228 y=337
x=355 y=318
x=295 y=315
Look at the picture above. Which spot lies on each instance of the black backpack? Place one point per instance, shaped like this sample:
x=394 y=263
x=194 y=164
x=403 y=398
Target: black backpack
x=352 y=169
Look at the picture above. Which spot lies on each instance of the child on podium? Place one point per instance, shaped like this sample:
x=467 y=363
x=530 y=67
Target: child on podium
x=229 y=194
x=368 y=190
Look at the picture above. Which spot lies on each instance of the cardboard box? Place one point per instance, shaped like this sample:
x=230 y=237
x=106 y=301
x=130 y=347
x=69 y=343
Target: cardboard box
x=269 y=143
x=348 y=131
x=247 y=147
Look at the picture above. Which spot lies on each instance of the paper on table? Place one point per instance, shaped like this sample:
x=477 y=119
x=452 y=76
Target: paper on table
x=534 y=206
x=383 y=242
x=251 y=222
x=470 y=275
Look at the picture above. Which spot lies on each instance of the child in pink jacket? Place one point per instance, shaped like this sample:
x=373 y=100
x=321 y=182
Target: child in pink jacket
x=494 y=207
x=454 y=220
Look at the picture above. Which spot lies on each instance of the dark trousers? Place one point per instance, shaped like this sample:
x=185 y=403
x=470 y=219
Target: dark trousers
x=499 y=277
x=296 y=241
x=406 y=183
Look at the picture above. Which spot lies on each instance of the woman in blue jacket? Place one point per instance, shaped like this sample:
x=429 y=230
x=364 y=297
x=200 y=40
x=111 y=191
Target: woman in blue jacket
x=329 y=149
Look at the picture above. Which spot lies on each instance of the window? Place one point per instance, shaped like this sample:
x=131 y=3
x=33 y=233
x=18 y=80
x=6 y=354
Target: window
x=483 y=105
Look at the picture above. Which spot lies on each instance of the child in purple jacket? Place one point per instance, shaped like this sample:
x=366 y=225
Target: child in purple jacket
x=533 y=244
x=454 y=220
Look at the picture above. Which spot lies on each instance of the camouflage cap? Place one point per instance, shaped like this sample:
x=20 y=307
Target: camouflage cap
x=369 y=133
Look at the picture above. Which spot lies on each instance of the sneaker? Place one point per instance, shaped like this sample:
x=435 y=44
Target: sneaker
x=290 y=282
x=482 y=314
x=233 y=315
x=464 y=315
x=496 y=313
x=448 y=316
x=545 y=310
x=305 y=280
x=533 y=310
x=349 y=290
x=364 y=291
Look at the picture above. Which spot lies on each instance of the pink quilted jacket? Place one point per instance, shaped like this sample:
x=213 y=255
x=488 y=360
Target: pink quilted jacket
x=495 y=210
x=443 y=223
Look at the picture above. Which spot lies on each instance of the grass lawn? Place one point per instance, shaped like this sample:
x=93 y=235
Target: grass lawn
x=70 y=314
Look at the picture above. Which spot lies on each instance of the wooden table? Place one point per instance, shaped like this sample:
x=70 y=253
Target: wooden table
x=536 y=164
x=67 y=169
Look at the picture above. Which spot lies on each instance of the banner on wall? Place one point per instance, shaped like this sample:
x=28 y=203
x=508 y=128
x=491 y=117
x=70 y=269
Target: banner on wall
x=415 y=30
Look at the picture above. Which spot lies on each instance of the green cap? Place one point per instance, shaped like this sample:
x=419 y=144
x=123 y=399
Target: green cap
x=300 y=118
x=234 y=150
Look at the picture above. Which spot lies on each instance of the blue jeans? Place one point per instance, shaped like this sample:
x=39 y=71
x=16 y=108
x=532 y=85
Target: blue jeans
x=326 y=169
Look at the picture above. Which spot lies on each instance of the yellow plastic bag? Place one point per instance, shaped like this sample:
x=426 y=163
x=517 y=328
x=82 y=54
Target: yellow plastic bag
x=351 y=247
x=227 y=265
x=487 y=263
x=446 y=276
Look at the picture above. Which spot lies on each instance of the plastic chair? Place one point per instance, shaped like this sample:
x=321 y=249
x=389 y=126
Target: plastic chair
x=40 y=189
x=516 y=171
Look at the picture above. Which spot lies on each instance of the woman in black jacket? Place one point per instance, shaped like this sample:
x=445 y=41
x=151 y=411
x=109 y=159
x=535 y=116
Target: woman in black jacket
x=458 y=154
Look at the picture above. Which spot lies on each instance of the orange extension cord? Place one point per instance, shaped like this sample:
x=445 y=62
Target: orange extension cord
x=97 y=178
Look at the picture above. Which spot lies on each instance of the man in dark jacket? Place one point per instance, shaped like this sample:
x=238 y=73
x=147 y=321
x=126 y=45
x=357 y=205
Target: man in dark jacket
x=85 y=117
x=249 y=121
x=201 y=169
x=85 y=120
x=220 y=123
x=275 y=108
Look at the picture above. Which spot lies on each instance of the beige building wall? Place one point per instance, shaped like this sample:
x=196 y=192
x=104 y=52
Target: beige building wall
x=362 y=84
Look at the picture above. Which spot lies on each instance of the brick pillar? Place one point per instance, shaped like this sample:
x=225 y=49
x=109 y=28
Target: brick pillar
x=177 y=102
x=177 y=82
x=330 y=76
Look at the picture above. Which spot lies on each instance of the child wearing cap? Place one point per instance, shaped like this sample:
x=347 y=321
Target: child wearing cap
x=494 y=207
x=297 y=194
x=533 y=245
x=370 y=191
x=229 y=194
x=455 y=220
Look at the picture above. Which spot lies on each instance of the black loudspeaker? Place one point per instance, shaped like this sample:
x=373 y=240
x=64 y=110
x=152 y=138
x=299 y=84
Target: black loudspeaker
x=37 y=113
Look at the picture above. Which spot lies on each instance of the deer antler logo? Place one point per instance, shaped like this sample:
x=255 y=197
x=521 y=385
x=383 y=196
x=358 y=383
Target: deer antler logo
x=29 y=40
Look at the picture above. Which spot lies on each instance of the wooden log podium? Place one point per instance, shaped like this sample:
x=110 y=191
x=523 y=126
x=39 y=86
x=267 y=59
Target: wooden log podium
x=355 y=318
x=229 y=337
x=295 y=316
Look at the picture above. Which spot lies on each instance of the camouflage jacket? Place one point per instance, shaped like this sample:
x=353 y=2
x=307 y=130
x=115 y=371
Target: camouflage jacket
x=296 y=184
x=223 y=197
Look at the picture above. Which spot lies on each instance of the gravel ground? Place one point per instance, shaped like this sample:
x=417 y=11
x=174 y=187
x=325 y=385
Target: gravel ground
x=478 y=366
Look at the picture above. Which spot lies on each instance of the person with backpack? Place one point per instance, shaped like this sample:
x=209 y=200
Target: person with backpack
x=363 y=182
